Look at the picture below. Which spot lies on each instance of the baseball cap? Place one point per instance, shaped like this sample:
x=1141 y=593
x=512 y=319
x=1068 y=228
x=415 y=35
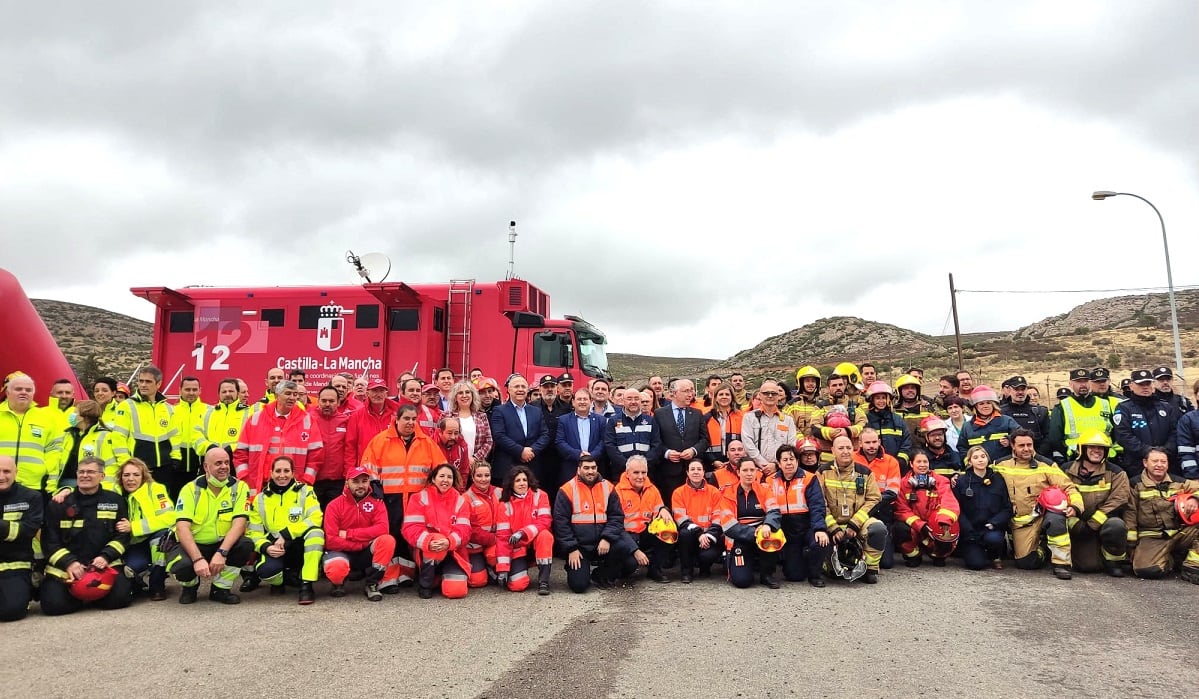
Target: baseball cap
x=1124 y=383
x=565 y=377
x=547 y=380
x=356 y=472
x=1142 y=376
x=1100 y=374
x=430 y=388
x=1080 y=374
x=376 y=383
x=1018 y=382
x=1163 y=372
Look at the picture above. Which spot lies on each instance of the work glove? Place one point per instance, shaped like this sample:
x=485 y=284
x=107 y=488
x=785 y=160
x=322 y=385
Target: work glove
x=514 y=539
x=889 y=497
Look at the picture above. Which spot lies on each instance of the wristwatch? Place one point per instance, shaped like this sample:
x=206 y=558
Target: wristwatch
x=223 y=552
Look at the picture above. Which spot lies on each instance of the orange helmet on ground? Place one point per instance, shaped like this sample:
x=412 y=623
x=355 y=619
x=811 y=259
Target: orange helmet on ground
x=1179 y=502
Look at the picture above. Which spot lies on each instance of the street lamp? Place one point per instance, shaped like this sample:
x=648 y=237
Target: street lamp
x=1103 y=194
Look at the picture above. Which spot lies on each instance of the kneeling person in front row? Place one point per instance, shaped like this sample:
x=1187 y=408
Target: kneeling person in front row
x=209 y=529
x=285 y=527
x=801 y=503
x=642 y=504
x=589 y=530
x=696 y=506
x=356 y=537
x=83 y=546
x=850 y=493
x=23 y=514
x=1163 y=521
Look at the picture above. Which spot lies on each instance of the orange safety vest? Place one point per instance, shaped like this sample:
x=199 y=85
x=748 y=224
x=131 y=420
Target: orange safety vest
x=402 y=470
x=790 y=494
x=765 y=498
x=884 y=467
x=639 y=508
x=717 y=442
x=699 y=505
x=588 y=506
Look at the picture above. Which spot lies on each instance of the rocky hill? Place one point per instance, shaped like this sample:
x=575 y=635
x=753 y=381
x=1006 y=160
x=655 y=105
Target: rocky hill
x=1148 y=311
x=835 y=339
x=97 y=342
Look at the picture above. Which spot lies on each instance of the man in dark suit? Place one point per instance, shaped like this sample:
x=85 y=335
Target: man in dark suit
x=578 y=434
x=519 y=431
x=683 y=436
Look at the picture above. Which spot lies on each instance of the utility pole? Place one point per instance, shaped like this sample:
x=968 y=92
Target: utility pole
x=957 y=330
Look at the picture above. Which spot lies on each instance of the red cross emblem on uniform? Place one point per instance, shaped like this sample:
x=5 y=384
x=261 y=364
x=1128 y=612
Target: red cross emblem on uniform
x=304 y=436
x=368 y=507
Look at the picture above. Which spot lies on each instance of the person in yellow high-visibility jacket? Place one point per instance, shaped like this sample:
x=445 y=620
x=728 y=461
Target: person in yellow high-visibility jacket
x=285 y=526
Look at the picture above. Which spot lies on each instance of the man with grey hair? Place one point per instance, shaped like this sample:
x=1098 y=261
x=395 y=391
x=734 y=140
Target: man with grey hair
x=765 y=430
x=683 y=434
x=279 y=428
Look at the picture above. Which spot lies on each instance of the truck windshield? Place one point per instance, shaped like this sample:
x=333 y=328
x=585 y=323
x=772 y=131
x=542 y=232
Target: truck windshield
x=593 y=358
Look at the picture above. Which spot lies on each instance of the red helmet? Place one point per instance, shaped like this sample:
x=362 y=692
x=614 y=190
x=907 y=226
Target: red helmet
x=932 y=423
x=1053 y=499
x=837 y=418
x=95 y=584
x=807 y=444
x=1179 y=501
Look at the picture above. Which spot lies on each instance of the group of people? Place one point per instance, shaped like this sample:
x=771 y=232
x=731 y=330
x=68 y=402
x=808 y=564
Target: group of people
x=446 y=486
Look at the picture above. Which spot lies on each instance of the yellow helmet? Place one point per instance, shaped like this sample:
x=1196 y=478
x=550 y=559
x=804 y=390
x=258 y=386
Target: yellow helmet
x=773 y=542
x=907 y=380
x=664 y=529
x=849 y=371
x=803 y=373
x=1094 y=438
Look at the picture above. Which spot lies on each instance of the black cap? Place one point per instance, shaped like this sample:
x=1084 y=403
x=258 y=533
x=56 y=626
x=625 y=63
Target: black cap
x=1017 y=382
x=1080 y=374
x=1100 y=374
x=1064 y=393
x=1124 y=383
x=547 y=380
x=1141 y=376
x=1163 y=372
x=565 y=377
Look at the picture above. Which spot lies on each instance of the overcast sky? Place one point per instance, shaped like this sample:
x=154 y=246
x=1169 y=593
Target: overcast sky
x=690 y=177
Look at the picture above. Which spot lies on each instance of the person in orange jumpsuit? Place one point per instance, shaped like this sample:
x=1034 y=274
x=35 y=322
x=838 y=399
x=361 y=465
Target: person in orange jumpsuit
x=484 y=501
x=523 y=527
x=437 y=527
x=696 y=506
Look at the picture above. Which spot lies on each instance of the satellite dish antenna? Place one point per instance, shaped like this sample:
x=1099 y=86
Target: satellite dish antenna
x=372 y=267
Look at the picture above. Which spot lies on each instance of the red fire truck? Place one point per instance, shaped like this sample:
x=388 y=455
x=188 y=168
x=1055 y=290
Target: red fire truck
x=374 y=330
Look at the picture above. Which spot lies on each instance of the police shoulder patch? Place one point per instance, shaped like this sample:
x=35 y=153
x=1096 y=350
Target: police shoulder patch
x=1118 y=418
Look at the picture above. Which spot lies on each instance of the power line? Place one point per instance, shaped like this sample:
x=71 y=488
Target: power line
x=1074 y=291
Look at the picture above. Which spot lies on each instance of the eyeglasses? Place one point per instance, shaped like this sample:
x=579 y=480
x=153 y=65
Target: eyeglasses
x=771 y=393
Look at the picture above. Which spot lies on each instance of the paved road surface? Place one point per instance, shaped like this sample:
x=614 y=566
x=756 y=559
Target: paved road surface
x=918 y=633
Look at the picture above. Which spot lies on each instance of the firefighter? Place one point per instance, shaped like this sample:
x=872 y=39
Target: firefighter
x=279 y=428
x=28 y=435
x=856 y=412
x=523 y=530
x=1098 y=526
x=437 y=527
x=151 y=514
x=208 y=541
x=891 y=427
x=356 y=537
x=850 y=494
x=401 y=458
x=750 y=518
x=801 y=505
x=1078 y=412
x=912 y=407
x=22 y=511
x=989 y=428
x=188 y=420
x=1026 y=475
x=1144 y=421
x=886 y=474
x=986 y=512
x=146 y=422
x=942 y=459
x=285 y=528
x=87 y=436
x=803 y=406
x=696 y=507
x=223 y=422
x=589 y=530
x=641 y=502
x=926 y=514
x=1161 y=521
x=81 y=536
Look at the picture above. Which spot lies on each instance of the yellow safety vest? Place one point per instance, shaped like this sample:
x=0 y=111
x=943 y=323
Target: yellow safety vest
x=1078 y=421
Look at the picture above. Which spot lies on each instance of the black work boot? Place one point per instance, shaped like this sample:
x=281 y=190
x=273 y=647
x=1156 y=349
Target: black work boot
x=543 y=579
x=425 y=578
x=220 y=594
x=249 y=582
x=307 y=594
x=1062 y=573
x=1114 y=569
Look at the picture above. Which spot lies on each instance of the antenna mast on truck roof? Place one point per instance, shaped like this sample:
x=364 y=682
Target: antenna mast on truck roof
x=511 y=249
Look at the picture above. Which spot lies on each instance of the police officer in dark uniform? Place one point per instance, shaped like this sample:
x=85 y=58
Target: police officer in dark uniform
x=1034 y=418
x=22 y=518
x=1145 y=421
x=1101 y=385
x=1164 y=378
x=81 y=533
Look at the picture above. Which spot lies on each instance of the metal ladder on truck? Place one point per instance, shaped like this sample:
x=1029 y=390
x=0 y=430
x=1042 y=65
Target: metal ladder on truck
x=457 y=337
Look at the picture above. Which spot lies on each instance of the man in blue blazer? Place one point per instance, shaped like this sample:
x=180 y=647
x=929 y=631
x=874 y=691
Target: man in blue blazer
x=580 y=432
x=519 y=431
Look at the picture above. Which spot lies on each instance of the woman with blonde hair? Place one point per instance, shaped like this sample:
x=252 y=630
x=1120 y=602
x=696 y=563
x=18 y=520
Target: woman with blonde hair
x=151 y=516
x=472 y=421
x=986 y=512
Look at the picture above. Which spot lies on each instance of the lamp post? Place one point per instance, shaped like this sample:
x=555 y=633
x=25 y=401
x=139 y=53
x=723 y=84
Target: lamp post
x=1103 y=194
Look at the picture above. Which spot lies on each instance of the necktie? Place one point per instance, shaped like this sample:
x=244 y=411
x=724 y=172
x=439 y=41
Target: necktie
x=678 y=418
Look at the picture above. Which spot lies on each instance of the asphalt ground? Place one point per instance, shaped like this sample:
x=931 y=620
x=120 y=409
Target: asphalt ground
x=918 y=632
